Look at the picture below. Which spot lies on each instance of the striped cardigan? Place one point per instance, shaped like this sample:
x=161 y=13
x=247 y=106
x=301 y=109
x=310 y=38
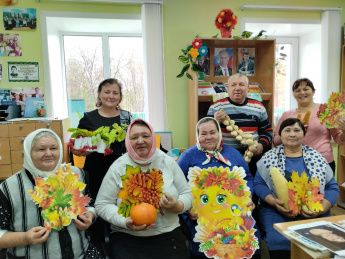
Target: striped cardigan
x=18 y=213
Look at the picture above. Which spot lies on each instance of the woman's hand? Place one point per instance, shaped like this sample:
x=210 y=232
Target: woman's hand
x=36 y=235
x=192 y=215
x=170 y=203
x=309 y=214
x=130 y=225
x=278 y=204
x=76 y=152
x=84 y=220
x=251 y=205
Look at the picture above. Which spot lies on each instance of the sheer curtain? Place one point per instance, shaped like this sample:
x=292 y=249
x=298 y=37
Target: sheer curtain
x=153 y=65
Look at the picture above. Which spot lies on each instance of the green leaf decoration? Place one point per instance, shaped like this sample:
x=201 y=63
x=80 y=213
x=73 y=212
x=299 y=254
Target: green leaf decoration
x=62 y=199
x=184 y=59
x=197 y=68
x=215 y=36
x=180 y=75
x=261 y=33
x=237 y=37
x=246 y=34
x=184 y=51
x=189 y=76
x=205 y=43
x=185 y=68
x=189 y=47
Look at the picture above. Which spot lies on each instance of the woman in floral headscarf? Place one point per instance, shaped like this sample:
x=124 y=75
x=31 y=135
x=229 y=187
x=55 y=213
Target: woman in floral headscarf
x=209 y=152
x=22 y=229
x=164 y=238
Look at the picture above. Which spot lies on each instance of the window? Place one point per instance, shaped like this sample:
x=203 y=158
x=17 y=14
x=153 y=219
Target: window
x=85 y=69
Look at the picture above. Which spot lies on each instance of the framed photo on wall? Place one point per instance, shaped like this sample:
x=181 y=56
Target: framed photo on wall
x=246 y=61
x=23 y=71
x=19 y=18
x=204 y=62
x=223 y=61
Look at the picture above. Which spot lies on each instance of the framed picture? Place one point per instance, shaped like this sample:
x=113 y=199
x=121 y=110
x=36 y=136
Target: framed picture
x=10 y=45
x=246 y=61
x=204 y=62
x=23 y=71
x=223 y=61
x=19 y=18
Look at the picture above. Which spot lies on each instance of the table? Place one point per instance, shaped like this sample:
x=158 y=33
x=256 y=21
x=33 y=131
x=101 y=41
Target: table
x=297 y=249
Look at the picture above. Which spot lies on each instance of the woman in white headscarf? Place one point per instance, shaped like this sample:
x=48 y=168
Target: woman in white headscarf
x=22 y=229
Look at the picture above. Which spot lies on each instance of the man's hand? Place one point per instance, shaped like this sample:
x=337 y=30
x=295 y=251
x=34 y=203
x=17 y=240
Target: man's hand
x=259 y=149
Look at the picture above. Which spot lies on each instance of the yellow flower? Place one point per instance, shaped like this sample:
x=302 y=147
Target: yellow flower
x=193 y=52
x=222 y=13
x=228 y=24
x=220 y=20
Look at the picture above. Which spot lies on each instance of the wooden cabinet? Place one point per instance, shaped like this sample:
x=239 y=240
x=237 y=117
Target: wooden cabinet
x=12 y=135
x=341 y=149
x=264 y=75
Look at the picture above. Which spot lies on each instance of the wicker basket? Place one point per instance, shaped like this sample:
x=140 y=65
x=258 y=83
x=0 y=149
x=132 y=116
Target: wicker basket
x=231 y=251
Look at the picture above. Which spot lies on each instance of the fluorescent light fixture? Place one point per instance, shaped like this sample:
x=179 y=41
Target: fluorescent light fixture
x=297 y=8
x=108 y=1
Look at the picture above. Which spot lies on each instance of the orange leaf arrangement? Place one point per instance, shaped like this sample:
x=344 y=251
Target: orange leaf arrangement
x=334 y=108
x=304 y=194
x=305 y=119
x=225 y=224
x=140 y=187
x=60 y=197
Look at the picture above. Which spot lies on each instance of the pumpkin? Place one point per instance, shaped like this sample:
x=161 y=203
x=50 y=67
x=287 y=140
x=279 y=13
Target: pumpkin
x=143 y=214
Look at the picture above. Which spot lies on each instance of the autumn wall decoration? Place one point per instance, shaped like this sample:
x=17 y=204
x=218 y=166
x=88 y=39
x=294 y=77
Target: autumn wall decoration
x=140 y=187
x=60 y=197
x=332 y=110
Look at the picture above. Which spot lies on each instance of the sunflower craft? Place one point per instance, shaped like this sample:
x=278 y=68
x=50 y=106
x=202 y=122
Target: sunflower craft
x=60 y=197
x=225 y=224
x=140 y=187
x=332 y=110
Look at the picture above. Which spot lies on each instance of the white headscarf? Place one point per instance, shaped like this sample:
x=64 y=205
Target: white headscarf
x=28 y=164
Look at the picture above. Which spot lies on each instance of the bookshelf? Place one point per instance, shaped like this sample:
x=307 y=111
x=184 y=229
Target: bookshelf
x=341 y=149
x=264 y=75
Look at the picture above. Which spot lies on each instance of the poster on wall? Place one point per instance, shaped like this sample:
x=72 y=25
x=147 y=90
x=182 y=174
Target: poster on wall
x=25 y=97
x=8 y=2
x=223 y=62
x=246 y=61
x=10 y=45
x=23 y=71
x=21 y=19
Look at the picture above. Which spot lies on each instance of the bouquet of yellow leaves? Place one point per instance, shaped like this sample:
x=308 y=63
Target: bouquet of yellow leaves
x=304 y=194
x=329 y=112
x=60 y=197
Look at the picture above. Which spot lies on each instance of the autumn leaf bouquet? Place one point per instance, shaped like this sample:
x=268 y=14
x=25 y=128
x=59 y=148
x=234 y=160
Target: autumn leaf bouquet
x=191 y=56
x=140 y=187
x=99 y=140
x=60 y=197
x=334 y=108
x=225 y=22
x=304 y=193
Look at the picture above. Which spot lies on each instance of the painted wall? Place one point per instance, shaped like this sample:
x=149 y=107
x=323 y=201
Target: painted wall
x=182 y=21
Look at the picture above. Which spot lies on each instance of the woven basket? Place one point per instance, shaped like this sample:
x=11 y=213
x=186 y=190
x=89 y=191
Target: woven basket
x=231 y=251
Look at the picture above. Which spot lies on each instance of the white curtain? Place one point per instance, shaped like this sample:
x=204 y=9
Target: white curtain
x=153 y=65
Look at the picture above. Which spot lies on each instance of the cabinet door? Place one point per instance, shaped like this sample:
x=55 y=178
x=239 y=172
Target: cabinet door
x=17 y=156
x=16 y=143
x=5 y=158
x=21 y=129
x=16 y=168
x=53 y=125
x=5 y=171
x=4 y=131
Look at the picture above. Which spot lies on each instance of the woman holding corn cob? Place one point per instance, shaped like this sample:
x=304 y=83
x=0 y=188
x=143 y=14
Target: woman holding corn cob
x=317 y=136
x=286 y=158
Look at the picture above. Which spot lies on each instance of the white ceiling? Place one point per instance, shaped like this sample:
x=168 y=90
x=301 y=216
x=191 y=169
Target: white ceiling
x=282 y=29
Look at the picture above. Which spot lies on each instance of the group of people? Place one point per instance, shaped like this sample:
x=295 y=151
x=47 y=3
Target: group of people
x=10 y=48
x=17 y=20
x=296 y=149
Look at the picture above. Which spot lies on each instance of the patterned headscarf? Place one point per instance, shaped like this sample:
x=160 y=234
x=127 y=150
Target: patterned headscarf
x=130 y=150
x=212 y=153
x=28 y=144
